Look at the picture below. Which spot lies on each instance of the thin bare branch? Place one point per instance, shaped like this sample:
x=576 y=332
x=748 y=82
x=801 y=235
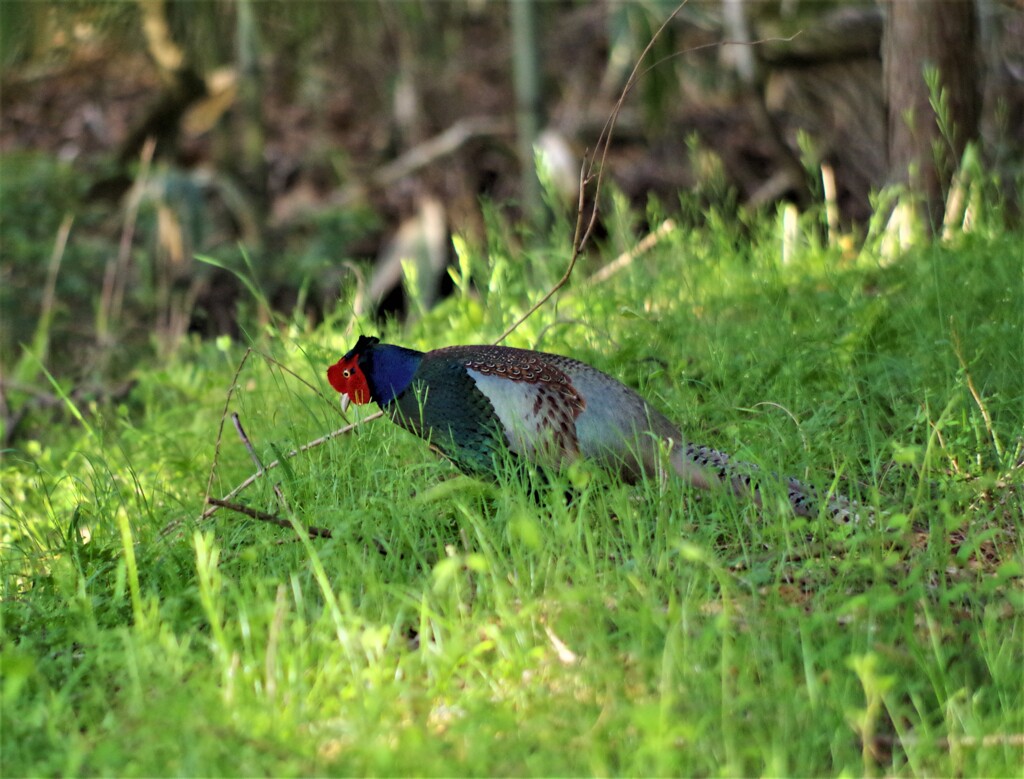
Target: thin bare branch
x=237 y=420
x=273 y=519
x=270 y=466
x=626 y=258
x=585 y=227
x=290 y=372
x=220 y=428
x=717 y=45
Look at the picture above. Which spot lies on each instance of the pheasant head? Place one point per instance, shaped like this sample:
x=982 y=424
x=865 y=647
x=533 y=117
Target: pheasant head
x=348 y=377
x=373 y=371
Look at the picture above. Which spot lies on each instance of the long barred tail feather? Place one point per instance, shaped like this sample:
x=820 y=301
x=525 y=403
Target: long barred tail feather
x=704 y=466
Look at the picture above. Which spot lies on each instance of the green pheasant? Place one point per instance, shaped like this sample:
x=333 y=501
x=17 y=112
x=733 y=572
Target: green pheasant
x=481 y=404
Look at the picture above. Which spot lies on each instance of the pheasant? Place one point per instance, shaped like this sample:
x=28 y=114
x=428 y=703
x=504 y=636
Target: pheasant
x=481 y=404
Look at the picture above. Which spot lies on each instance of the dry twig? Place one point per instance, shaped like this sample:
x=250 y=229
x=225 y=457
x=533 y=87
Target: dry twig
x=263 y=516
x=220 y=430
x=647 y=243
x=293 y=453
x=237 y=420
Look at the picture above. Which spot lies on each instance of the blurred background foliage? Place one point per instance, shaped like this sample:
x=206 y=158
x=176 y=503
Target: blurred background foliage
x=307 y=149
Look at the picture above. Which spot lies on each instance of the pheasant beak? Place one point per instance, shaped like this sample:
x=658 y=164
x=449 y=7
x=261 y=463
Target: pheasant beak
x=345 y=401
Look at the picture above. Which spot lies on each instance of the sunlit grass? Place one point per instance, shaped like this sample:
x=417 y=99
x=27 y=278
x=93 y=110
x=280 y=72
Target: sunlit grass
x=642 y=631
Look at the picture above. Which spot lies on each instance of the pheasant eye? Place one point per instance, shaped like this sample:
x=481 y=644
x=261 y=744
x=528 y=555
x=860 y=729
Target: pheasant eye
x=347 y=373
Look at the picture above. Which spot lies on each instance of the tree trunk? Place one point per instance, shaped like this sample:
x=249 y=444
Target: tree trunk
x=939 y=34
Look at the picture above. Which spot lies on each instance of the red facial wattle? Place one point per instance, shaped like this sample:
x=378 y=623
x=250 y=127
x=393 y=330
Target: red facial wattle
x=347 y=378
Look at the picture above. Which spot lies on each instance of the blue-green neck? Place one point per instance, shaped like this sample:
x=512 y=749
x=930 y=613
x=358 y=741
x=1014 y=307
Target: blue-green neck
x=389 y=370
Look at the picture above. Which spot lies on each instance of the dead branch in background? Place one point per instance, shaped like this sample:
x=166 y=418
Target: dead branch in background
x=625 y=259
x=418 y=157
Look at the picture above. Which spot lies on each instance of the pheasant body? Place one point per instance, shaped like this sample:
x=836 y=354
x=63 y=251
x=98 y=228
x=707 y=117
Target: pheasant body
x=480 y=404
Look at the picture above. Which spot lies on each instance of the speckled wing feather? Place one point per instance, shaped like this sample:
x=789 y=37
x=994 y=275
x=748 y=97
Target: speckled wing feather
x=553 y=409
x=535 y=402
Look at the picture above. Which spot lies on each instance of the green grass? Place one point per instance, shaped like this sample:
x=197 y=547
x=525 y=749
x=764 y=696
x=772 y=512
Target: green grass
x=642 y=631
